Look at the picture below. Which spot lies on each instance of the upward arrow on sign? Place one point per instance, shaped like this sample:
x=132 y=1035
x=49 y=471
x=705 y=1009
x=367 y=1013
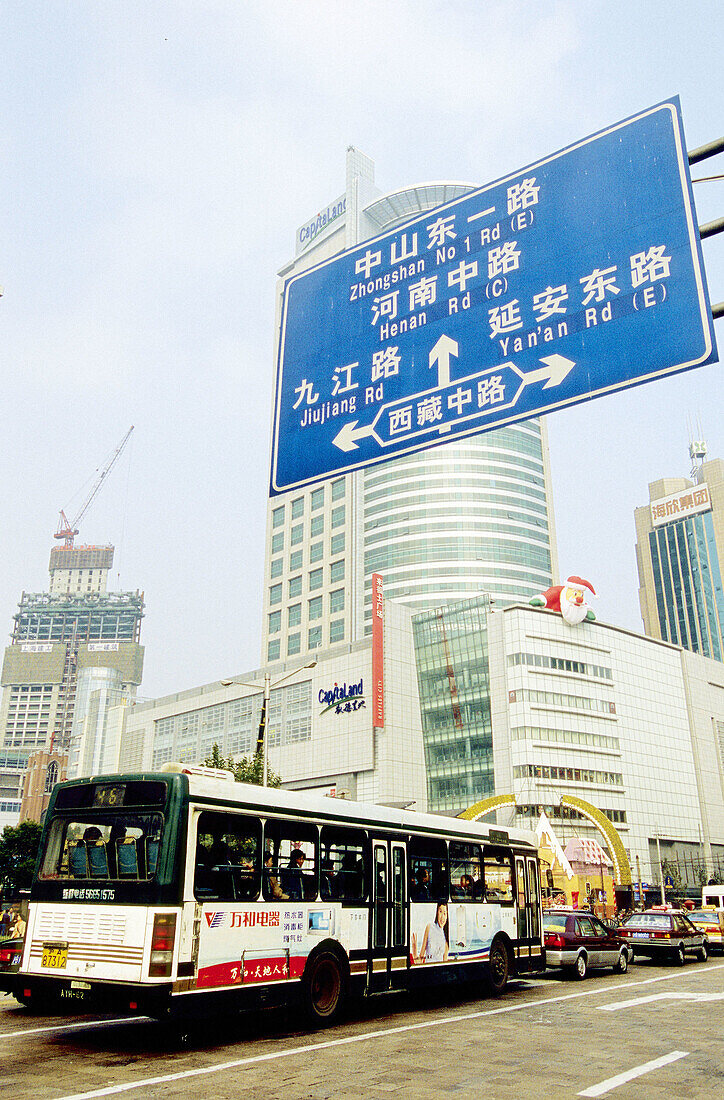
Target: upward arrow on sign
x=440 y=354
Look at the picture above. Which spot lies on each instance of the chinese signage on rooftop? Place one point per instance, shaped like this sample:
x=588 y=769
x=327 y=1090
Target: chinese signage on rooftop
x=580 y=275
x=680 y=505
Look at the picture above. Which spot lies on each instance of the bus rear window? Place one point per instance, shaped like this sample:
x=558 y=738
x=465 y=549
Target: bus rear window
x=117 y=847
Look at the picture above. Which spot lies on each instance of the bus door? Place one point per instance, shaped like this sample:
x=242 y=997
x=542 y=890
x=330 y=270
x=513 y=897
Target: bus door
x=389 y=932
x=526 y=878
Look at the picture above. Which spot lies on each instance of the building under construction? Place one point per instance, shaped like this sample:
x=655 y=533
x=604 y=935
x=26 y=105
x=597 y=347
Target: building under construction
x=74 y=656
x=58 y=638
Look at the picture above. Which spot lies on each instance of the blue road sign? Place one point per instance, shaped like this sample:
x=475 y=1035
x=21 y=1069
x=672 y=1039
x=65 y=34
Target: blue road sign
x=577 y=276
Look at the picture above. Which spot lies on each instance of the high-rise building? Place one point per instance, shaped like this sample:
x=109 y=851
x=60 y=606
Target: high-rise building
x=470 y=516
x=58 y=638
x=679 y=554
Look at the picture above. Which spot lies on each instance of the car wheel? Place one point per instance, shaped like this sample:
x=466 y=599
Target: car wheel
x=679 y=955
x=581 y=968
x=621 y=965
x=325 y=989
x=498 y=967
x=704 y=952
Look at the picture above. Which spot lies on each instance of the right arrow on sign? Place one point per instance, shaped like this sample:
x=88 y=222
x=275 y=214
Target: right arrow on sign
x=555 y=370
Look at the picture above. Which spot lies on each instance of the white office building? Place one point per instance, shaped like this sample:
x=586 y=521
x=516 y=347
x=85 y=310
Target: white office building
x=319 y=723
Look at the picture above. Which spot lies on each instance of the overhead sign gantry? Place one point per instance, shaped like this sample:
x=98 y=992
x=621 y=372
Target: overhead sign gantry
x=578 y=276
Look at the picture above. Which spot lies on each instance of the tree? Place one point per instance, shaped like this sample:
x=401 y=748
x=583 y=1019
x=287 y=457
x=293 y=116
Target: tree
x=246 y=770
x=18 y=851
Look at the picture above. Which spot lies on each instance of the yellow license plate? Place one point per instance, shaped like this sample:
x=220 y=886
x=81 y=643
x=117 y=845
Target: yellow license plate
x=55 y=957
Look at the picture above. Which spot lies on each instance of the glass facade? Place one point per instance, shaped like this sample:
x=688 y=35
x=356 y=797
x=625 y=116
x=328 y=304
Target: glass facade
x=465 y=518
x=234 y=726
x=688 y=584
x=451 y=651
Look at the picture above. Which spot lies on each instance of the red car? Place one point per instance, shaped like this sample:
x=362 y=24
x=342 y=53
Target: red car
x=11 y=951
x=579 y=940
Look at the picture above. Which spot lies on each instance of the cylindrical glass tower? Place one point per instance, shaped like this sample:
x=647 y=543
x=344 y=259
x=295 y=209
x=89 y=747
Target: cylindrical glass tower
x=467 y=517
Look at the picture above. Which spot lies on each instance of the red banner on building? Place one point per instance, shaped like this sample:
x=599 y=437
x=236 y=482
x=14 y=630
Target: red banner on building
x=378 y=653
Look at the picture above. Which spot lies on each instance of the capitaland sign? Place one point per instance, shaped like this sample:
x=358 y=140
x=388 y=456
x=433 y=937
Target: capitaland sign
x=343 y=698
x=320 y=223
x=688 y=502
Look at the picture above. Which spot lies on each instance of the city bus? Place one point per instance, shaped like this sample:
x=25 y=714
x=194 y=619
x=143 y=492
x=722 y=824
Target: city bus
x=182 y=893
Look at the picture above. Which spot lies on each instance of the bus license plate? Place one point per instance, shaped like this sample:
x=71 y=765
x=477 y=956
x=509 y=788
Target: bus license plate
x=55 y=955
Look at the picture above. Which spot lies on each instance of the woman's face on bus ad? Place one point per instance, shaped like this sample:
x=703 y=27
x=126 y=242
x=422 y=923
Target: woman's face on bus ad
x=441 y=915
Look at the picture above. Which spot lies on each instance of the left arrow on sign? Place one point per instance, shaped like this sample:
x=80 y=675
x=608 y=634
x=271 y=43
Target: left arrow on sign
x=346 y=438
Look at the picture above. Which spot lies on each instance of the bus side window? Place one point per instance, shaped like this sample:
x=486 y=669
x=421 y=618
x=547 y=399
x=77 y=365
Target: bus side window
x=498 y=875
x=294 y=868
x=466 y=876
x=428 y=869
x=228 y=857
x=345 y=867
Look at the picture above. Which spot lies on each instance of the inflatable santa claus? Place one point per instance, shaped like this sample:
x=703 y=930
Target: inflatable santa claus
x=569 y=599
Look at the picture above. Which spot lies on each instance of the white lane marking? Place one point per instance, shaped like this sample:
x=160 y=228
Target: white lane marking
x=74 y=1027
x=616 y=1005
x=474 y=217
x=147 y=1082
x=638 y=1071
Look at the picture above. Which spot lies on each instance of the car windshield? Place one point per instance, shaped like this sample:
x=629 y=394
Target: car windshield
x=704 y=914
x=555 y=922
x=649 y=920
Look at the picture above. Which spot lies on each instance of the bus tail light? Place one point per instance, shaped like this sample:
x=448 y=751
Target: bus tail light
x=164 y=932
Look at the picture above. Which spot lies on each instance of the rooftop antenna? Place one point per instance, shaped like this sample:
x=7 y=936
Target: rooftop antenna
x=697 y=451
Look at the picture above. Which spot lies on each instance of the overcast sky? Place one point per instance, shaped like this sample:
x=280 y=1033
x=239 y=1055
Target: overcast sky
x=156 y=162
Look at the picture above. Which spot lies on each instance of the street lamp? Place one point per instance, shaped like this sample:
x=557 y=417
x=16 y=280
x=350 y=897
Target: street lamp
x=268 y=685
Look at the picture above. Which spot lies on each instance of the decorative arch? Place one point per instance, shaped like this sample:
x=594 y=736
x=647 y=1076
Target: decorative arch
x=621 y=865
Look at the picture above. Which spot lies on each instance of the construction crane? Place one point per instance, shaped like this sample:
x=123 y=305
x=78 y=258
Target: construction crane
x=68 y=530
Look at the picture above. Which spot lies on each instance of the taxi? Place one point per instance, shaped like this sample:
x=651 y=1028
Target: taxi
x=664 y=932
x=709 y=920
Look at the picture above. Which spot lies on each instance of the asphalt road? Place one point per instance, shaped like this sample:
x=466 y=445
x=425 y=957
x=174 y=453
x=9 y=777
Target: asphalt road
x=655 y=1031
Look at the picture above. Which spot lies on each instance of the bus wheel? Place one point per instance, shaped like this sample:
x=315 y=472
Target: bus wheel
x=498 y=967
x=325 y=988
